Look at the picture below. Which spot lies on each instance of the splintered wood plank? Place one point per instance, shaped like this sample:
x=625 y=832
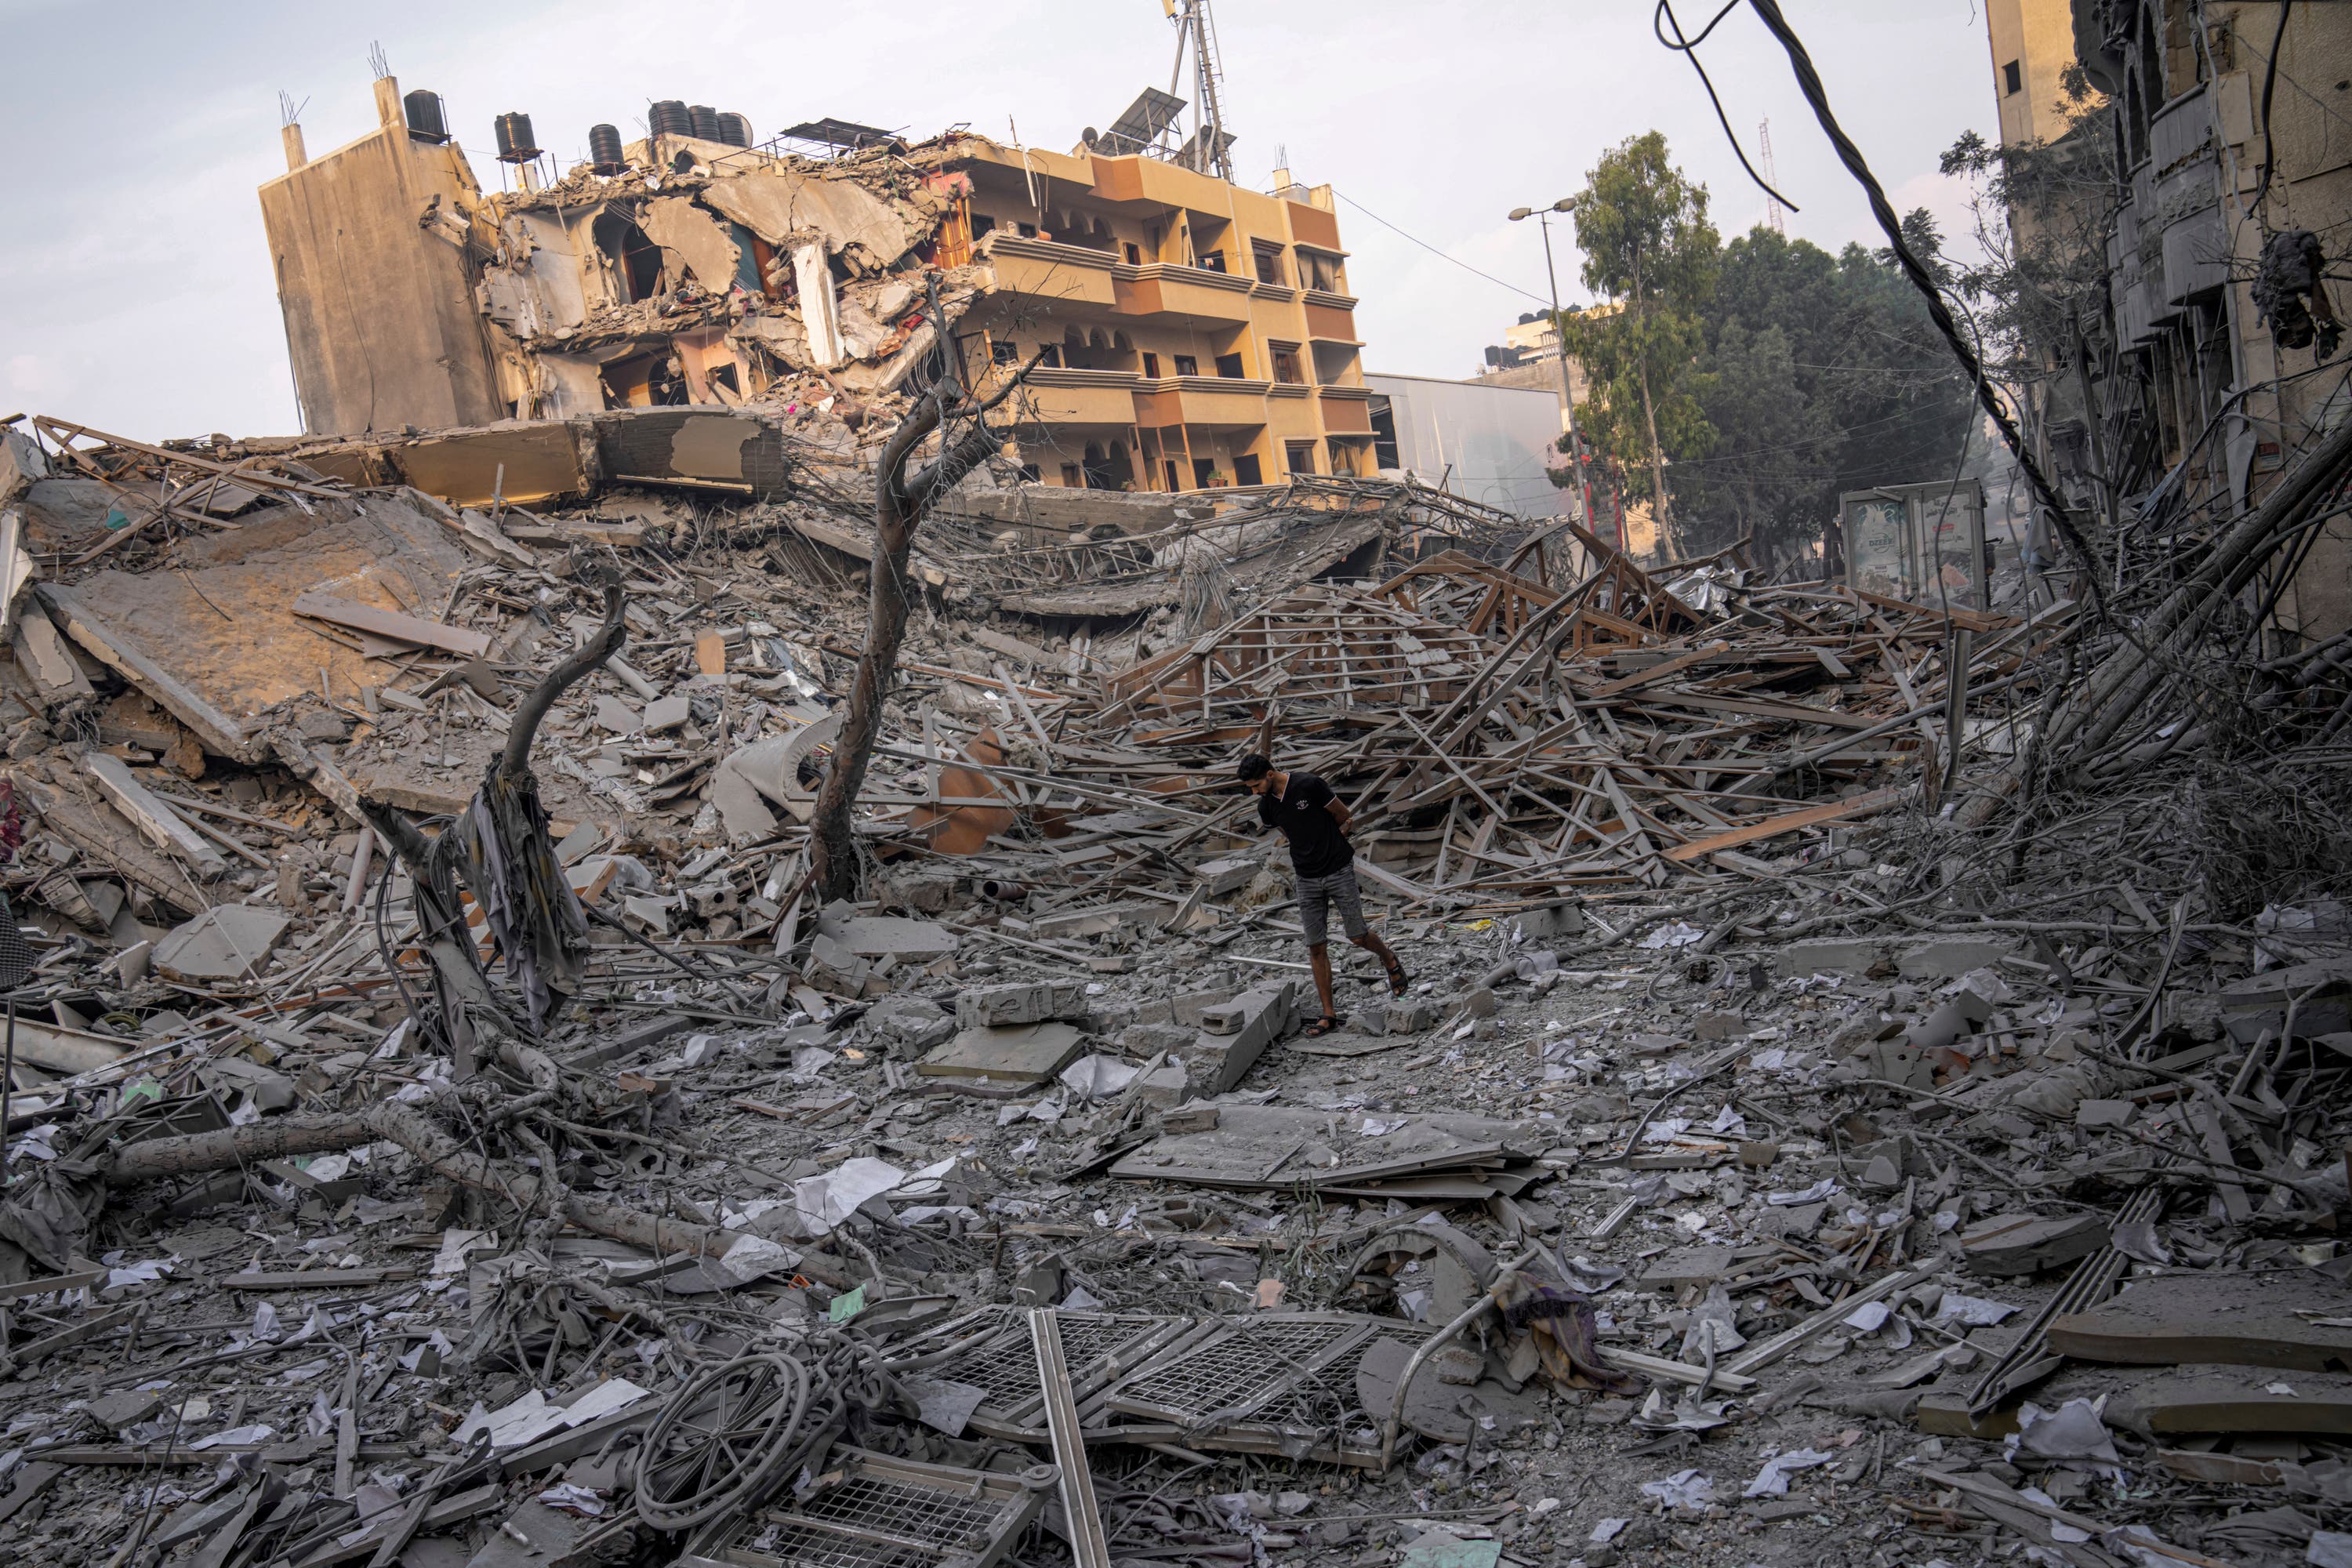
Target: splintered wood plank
x=1773 y=826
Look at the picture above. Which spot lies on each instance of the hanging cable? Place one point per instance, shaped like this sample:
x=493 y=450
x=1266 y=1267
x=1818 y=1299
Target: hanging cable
x=2270 y=85
x=1809 y=82
x=1660 y=21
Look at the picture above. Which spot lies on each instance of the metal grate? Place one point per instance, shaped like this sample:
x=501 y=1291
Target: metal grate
x=805 y=1547
x=1007 y=1364
x=916 y=1512
x=1238 y=1366
x=1323 y=1399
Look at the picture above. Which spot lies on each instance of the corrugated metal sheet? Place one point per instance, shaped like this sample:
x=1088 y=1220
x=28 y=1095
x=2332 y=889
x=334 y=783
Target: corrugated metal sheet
x=1494 y=439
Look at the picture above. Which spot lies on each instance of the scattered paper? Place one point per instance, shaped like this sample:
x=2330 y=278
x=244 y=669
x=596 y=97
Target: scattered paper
x=1772 y=1480
x=1684 y=1488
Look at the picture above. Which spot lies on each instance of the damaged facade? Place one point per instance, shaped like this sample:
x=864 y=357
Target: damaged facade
x=2205 y=360
x=1193 y=334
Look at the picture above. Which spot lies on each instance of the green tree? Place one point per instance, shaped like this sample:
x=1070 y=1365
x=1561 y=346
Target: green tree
x=1651 y=255
x=1823 y=374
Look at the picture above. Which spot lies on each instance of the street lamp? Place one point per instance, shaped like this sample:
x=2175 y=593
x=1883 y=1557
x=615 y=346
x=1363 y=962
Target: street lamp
x=1567 y=389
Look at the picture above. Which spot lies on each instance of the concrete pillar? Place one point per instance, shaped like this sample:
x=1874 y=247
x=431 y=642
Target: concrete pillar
x=294 y=156
x=820 y=315
x=387 y=102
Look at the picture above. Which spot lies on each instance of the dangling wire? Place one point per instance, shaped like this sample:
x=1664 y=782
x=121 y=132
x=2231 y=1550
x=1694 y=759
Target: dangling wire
x=1688 y=47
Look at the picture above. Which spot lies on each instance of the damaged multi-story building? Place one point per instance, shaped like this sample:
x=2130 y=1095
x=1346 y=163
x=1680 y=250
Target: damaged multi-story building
x=1189 y=333
x=2204 y=358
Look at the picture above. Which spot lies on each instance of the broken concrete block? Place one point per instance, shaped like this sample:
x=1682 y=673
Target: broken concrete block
x=1016 y=1056
x=227 y=941
x=2010 y=1244
x=1396 y=1016
x=1150 y=1039
x=1479 y=1003
x=1949 y=957
x=1026 y=1004
x=1550 y=921
x=915 y=1021
x=831 y=967
x=1219 y=1060
x=1164 y=1087
x=666 y=713
x=742 y=812
x=1224 y=1018
x=616 y=716
x=1828 y=955
x=1218 y=878
x=652 y=913
x=131 y=964
x=875 y=936
x=1062 y=924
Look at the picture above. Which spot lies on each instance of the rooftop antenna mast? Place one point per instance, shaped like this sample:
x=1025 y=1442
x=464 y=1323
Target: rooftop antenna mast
x=1197 y=31
x=1773 y=214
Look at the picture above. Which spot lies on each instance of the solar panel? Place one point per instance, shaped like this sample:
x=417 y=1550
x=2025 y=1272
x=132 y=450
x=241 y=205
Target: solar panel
x=1152 y=112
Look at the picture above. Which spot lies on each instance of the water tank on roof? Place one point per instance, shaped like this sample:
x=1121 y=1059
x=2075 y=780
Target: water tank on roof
x=735 y=130
x=426 y=122
x=605 y=149
x=706 y=120
x=669 y=117
x=514 y=142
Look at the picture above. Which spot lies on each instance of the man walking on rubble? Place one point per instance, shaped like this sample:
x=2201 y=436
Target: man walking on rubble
x=1315 y=820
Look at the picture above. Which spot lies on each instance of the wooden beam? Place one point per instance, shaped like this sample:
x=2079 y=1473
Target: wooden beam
x=1773 y=826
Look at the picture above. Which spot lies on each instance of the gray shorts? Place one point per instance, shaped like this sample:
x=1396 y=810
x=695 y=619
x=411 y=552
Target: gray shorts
x=1318 y=895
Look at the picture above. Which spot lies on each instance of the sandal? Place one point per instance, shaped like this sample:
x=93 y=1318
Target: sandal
x=1398 y=980
x=1323 y=1026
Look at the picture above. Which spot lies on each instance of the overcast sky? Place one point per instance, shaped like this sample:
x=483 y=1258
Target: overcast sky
x=135 y=288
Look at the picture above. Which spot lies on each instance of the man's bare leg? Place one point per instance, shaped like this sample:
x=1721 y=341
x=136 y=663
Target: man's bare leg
x=1318 y=958
x=1370 y=942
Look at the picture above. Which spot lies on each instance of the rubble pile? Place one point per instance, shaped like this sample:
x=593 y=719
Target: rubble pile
x=444 y=1126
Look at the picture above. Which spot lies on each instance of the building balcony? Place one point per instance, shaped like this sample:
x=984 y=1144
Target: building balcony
x=1347 y=410
x=1203 y=401
x=1186 y=293
x=1056 y=395
x=1331 y=318
x=1041 y=269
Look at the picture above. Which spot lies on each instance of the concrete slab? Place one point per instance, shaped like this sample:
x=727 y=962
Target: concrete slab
x=1949 y=957
x=873 y=936
x=1830 y=955
x=1012 y=1056
x=227 y=941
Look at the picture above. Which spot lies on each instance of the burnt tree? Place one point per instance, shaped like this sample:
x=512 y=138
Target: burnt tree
x=900 y=504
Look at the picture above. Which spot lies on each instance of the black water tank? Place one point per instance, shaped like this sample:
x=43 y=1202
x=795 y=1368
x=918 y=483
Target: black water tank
x=514 y=142
x=425 y=120
x=605 y=149
x=735 y=130
x=706 y=120
x=668 y=117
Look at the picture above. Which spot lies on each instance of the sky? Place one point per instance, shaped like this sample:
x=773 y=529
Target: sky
x=135 y=284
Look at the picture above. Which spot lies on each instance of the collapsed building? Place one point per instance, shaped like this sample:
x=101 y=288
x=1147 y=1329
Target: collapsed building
x=1870 y=1085
x=1189 y=333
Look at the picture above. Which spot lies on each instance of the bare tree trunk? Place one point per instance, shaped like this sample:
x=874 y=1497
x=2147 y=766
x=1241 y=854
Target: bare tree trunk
x=446 y=1157
x=1657 y=467
x=900 y=503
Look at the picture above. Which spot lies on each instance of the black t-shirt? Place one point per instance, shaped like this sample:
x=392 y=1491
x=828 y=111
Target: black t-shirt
x=1317 y=848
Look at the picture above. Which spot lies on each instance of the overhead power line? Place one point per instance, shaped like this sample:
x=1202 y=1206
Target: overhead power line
x=1439 y=254
x=1809 y=82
